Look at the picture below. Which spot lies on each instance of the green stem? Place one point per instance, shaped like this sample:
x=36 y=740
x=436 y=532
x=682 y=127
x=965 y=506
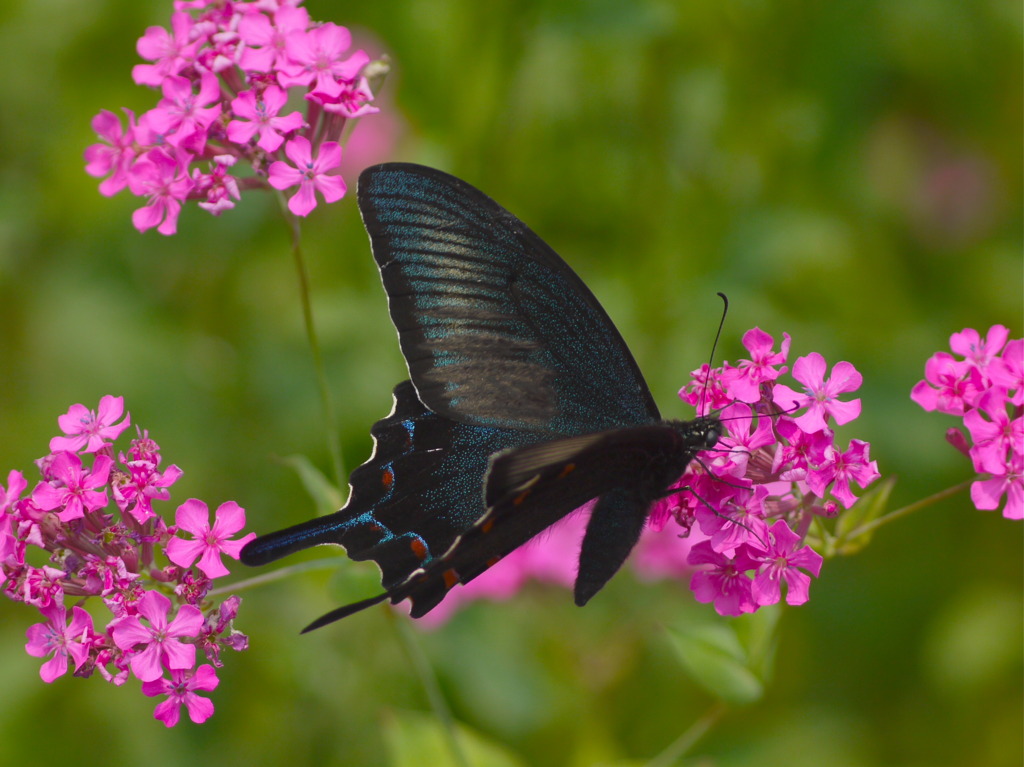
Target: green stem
x=874 y=524
x=430 y=685
x=276 y=575
x=333 y=445
x=681 y=745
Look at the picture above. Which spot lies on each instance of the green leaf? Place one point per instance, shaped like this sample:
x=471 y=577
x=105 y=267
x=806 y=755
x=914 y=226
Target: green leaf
x=714 y=657
x=416 y=739
x=758 y=633
x=326 y=496
x=871 y=506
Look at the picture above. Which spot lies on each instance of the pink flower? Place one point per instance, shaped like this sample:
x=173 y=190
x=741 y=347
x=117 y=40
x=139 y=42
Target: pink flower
x=949 y=386
x=185 y=117
x=218 y=187
x=987 y=494
x=116 y=155
x=209 y=543
x=724 y=581
x=315 y=55
x=144 y=484
x=93 y=429
x=60 y=639
x=820 y=395
x=842 y=469
x=161 y=638
x=994 y=433
x=172 y=52
x=265 y=42
x=262 y=110
x=1007 y=372
x=969 y=344
x=309 y=174
x=166 y=183
x=762 y=367
x=180 y=690
x=780 y=560
x=76 y=490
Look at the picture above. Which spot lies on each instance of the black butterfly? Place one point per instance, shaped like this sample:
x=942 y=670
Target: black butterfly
x=524 y=404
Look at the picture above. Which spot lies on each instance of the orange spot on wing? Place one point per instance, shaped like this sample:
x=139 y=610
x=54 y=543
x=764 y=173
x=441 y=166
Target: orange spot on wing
x=567 y=470
x=493 y=561
x=450 y=578
x=419 y=548
x=387 y=478
x=487 y=526
x=520 y=498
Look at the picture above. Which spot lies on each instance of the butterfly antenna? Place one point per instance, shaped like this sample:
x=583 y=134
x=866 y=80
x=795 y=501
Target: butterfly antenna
x=714 y=348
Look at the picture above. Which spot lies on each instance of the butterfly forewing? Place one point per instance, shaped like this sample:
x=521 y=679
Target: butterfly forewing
x=495 y=327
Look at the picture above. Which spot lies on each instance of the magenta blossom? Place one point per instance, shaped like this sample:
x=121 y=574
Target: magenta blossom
x=226 y=71
x=820 y=395
x=986 y=388
x=74 y=489
x=61 y=639
x=782 y=559
x=114 y=157
x=210 y=542
x=724 y=581
x=161 y=639
x=160 y=178
x=309 y=173
x=115 y=554
x=259 y=112
x=91 y=429
x=180 y=691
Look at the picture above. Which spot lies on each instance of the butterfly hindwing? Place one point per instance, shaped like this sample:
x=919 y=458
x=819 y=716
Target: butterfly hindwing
x=418 y=490
x=530 y=488
x=496 y=329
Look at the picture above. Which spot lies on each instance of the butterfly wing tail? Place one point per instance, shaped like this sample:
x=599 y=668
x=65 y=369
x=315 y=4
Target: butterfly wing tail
x=344 y=612
x=272 y=546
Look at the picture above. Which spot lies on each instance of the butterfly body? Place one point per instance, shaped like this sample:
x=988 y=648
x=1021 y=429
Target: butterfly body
x=523 y=404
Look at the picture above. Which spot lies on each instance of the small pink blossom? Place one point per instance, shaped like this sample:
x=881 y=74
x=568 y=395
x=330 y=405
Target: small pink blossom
x=723 y=581
x=180 y=690
x=781 y=559
x=843 y=468
x=978 y=351
x=309 y=173
x=75 y=491
x=185 y=117
x=987 y=493
x=949 y=386
x=315 y=59
x=165 y=182
x=114 y=157
x=210 y=542
x=60 y=639
x=820 y=395
x=161 y=639
x=266 y=41
x=143 y=485
x=91 y=429
x=172 y=51
x=259 y=112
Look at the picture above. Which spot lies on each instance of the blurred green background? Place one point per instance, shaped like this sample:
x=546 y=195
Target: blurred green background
x=849 y=172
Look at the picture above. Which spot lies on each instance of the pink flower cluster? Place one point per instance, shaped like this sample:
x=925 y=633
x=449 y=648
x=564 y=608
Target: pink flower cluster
x=227 y=75
x=747 y=506
x=744 y=509
x=986 y=388
x=65 y=540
